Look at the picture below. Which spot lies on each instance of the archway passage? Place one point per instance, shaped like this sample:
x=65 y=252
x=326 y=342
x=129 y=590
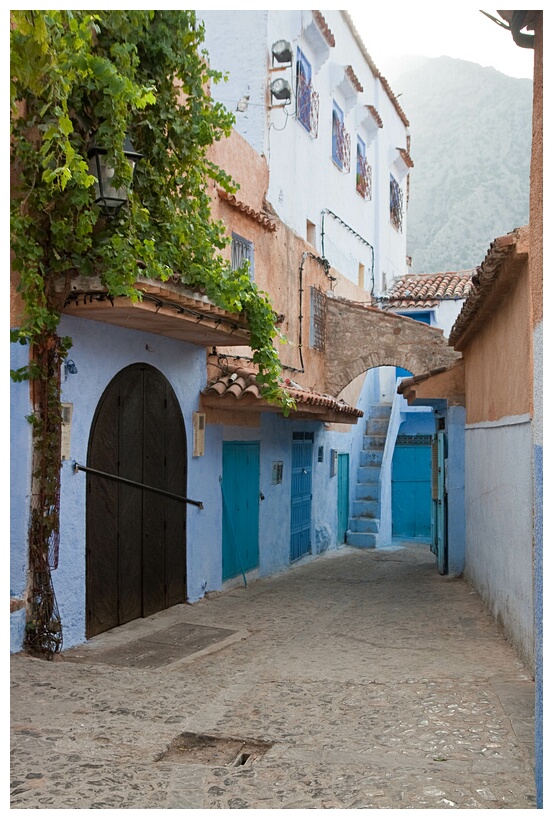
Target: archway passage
x=365 y=337
x=136 y=539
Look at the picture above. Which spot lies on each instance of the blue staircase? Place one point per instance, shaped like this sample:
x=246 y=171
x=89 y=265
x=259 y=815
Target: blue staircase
x=364 y=523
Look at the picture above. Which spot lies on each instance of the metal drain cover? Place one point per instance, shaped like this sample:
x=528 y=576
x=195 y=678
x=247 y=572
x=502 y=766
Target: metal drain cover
x=202 y=749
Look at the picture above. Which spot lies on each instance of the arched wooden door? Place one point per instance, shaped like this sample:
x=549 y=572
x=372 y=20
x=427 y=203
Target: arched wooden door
x=135 y=538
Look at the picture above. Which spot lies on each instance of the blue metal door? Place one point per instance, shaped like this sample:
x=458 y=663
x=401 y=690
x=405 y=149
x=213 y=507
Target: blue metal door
x=343 y=495
x=240 y=495
x=300 y=524
x=411 y=488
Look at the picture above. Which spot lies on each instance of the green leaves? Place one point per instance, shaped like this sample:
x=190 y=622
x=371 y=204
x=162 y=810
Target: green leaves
x=106 y=75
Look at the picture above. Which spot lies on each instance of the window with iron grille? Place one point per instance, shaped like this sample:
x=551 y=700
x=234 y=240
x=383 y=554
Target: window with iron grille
x=396 y=204
x=341 y=142
x=318 y=311
x=363 y=178
x=241 y=251
x=307 y=100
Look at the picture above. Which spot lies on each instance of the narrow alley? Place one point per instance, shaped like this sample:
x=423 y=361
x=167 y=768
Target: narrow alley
x=359 y=679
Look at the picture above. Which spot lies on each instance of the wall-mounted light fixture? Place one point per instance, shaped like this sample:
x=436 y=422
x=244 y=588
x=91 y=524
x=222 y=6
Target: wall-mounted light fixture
x=108 y=198
x=281 y=90
x=70 y=368
x=281 y=51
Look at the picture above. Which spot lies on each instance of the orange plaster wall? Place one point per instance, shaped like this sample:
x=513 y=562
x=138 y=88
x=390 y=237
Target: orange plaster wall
x=277 y=260
x=498 y=360
x=536 y=180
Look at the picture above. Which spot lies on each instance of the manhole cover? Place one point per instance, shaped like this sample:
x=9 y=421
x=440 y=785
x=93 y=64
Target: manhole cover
x=203 y=749
x=160 y=648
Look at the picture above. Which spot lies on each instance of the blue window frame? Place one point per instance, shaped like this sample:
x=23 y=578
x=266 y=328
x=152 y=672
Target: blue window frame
x=303 y=90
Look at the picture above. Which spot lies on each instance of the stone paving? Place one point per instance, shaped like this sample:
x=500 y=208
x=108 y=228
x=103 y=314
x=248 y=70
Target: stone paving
x=358 y=679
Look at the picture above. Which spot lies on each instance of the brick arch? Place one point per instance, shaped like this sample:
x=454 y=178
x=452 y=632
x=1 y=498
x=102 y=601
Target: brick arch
x=359 y=338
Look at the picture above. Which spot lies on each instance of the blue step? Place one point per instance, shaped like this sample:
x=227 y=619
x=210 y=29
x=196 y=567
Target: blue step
x=377 y=426
x=363 y=525
x=365 y=508
x=362 y=540
x=368 y=474
x=371 y=457
x=373 y=442
x=366 y=491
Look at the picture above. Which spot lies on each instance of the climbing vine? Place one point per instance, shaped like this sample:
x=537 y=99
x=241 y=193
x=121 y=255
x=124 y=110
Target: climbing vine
x=83 y=76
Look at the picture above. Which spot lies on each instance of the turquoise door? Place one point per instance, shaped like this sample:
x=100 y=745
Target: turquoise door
x=240 y=491
x=300 y=520
x=411 y=489
x=343 y=496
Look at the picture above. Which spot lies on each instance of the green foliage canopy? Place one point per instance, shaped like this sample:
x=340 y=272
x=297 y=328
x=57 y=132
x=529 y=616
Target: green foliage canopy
x=105 y=75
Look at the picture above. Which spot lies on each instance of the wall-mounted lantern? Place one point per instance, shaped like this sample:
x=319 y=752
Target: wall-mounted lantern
x=281 y=90
x=110 y=199
x=281 y=51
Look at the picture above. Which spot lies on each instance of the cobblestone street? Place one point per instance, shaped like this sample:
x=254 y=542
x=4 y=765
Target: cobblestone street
x=359 y=679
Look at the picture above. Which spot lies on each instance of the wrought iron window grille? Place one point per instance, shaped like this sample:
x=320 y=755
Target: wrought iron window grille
x=318 y=316
x=341 y=144
x=307 y=105
x=396 y=204
x=364 y=178
x=241 y=252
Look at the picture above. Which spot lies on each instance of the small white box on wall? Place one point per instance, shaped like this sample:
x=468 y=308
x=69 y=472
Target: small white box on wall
x=198 y=421
x=66 y=419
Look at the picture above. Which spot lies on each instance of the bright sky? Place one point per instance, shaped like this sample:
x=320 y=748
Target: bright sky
x=393 y=30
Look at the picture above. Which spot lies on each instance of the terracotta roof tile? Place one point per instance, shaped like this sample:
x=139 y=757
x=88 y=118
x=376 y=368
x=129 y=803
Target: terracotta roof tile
x=238 y=382
x=406 y=157
x=375 y=115
x=427 y=289
x=499 y=254
x=323 y=26
x=262 y=218
x=352 y=77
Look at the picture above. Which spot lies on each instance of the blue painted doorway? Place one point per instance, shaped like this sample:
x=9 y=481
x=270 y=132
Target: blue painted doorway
x=411 y=487
x=240 y=494
x=343 y=495
x=302 y=467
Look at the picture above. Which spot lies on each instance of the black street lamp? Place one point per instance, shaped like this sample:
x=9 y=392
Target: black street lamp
x=108 y=198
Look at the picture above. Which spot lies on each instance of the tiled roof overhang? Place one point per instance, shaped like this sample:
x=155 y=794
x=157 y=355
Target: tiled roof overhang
x=238 y=389
x=256 y=215
x=438 y=384
x=491 y=283
x=164 y=308
x=375 y=72
x=324 y=28
x=427 y=289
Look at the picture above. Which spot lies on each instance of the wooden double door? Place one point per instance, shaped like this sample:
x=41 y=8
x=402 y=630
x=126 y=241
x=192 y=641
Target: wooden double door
x=135 y=538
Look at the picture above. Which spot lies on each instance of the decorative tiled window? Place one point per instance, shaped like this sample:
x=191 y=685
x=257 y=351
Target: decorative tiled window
x=396 y=204
x=307 y=100
x=363 y=174
x=241 y=252
x=341 y=143
x=318 y=309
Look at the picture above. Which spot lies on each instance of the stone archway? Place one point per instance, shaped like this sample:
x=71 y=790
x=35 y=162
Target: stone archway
x=364 y=337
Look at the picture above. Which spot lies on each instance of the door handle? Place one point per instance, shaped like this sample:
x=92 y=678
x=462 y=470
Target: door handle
x=261 y=496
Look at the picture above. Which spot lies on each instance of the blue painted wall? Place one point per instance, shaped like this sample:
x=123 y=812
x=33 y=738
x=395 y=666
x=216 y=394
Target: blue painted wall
x=20 y=474
x=456 y=520
x=100 y=352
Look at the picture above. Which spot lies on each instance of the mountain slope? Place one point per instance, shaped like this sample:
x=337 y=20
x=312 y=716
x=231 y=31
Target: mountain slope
x=471 y=130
